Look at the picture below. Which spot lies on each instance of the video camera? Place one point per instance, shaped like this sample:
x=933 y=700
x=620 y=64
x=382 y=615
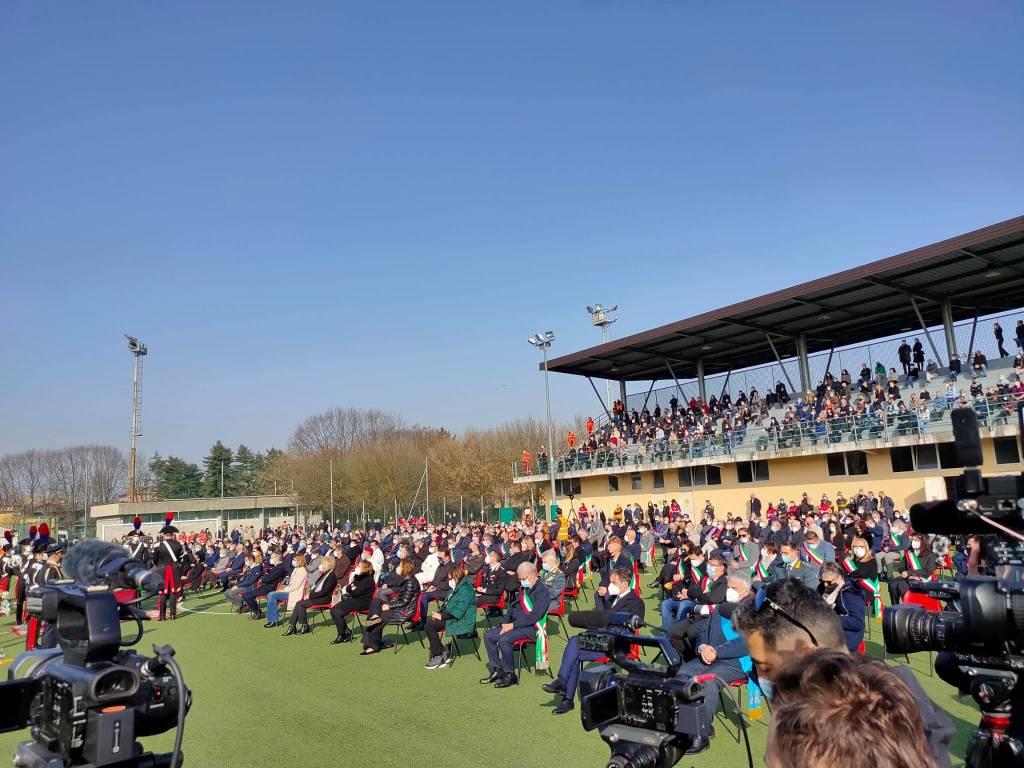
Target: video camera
x=980 y=639
x=87 y=700
x=646 y=715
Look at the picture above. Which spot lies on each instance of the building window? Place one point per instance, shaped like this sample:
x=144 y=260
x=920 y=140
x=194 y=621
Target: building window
x=569 y=486
x=1007 y=450
x=709 y=475
x=659 y=479
x=922 y=458
x=755 y=471
x=613 y=483
x=636 y=481
x=847 y=463
x=685 y=477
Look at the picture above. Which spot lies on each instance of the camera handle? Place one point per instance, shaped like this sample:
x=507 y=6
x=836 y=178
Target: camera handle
x=991 y=745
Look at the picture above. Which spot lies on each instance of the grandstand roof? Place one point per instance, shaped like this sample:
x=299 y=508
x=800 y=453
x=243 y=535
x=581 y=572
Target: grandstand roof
x=981 y=270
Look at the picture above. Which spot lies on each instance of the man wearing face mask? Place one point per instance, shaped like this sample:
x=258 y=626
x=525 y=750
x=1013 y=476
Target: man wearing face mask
x=622 y=600
x=268 y=583
x=553 y=578
x=721 y=651
x=893 y=549
x=790 y=566
x=521 y=622
x=702 y=591
x=613 y=559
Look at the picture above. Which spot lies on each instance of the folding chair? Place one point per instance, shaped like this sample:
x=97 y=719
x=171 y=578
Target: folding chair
x=474 y=643
x=500 y=605
x=558 y=615
x=409 y=618
x=521 y=645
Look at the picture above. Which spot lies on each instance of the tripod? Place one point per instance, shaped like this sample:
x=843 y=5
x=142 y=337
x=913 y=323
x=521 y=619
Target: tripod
x=992 y=745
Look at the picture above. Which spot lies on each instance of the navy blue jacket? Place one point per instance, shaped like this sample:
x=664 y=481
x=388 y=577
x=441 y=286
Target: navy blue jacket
x=519 y=617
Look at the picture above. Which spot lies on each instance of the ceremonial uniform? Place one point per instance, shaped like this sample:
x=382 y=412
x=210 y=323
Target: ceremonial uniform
x=168 y=559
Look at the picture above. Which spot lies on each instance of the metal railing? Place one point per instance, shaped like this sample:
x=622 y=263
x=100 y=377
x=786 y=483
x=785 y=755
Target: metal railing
x=764 y=441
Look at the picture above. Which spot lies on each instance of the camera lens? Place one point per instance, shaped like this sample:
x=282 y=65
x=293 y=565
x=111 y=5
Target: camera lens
x=643 y=757
x=910 y=628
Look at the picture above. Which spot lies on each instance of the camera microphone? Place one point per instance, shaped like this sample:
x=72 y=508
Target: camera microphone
x=604 y=619
x=99 y=562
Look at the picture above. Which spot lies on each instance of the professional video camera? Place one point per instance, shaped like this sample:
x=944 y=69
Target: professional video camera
x=646 y=715
x=86 y=700
x=980 y=639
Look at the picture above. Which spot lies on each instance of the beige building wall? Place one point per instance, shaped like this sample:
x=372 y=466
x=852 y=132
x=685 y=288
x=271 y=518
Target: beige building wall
x=789 y=478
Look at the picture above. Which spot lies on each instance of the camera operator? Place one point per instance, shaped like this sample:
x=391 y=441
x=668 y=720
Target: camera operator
x=721 y=651
x=621 y=599
x=786 y=621
x=818 y=690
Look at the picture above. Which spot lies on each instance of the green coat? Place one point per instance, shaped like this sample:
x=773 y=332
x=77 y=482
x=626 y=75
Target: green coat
x=461 y=606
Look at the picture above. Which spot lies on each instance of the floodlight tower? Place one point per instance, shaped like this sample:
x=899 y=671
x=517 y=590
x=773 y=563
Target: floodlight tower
x=601 y=317
x=139 y=350
x=542 y=341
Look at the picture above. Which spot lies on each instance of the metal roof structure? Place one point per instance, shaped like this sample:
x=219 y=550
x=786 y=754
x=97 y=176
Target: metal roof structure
x=978 y=272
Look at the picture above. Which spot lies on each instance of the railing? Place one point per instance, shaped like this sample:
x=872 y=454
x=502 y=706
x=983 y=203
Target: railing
x=765 y=377
x=833 y=434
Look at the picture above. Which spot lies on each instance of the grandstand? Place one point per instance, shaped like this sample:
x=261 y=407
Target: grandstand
x=769 y=391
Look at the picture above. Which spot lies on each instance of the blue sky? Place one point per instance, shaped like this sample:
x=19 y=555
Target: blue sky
x=298 y=206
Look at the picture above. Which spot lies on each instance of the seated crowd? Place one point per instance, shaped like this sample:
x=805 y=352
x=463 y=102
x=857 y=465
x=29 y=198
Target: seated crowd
x=839 y=408
x=823 y=562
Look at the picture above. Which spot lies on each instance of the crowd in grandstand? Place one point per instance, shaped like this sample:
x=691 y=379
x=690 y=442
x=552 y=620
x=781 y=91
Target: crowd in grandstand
x=824 y=561
x=838 y=408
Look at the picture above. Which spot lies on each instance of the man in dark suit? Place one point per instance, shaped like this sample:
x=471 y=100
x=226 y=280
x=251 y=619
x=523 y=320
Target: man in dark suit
x=700 y=593
x=492 y=582
x=721 y=651
x=614 y=558
x=319 y=594
x=621 y=599
x=236 y=565
x=519 y=623
x=268 y=583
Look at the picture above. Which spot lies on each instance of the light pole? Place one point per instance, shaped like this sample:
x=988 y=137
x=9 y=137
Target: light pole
x=139 y=350
x=601 y=317
x=543 y=342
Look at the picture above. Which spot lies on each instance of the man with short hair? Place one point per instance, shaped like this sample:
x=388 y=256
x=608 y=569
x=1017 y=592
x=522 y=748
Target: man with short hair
x=790 y=566
x=789 y=621
x=268 y=583
x=521 y=622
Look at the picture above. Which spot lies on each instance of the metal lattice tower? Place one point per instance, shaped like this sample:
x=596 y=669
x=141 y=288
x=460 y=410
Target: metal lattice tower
x=139 y=350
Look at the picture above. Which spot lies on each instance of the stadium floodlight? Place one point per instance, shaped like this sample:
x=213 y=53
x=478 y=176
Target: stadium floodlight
x=543 y=342
x=601 y=317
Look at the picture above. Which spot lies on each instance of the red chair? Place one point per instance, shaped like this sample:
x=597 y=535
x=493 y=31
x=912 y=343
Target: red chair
x=572 y=593
x=521 y=646
x=559 y=614
x=500 y=605
x=321 y=607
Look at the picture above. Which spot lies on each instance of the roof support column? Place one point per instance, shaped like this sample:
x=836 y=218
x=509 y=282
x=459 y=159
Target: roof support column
x=974 y=327
x=701 y=384
x=682 y=395
x=778 y=359
x=622 y=395
x=599 y=398
x=947 y=327
x=924 y=327
x=804 y=362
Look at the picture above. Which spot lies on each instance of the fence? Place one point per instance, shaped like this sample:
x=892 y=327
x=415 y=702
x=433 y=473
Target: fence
x=766 y=442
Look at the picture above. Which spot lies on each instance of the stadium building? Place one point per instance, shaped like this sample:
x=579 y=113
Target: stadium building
x=192 y=515
x=948 y=296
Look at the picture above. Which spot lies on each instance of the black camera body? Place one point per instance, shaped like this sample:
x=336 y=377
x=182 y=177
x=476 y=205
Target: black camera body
x=87 y=700
x=646 y=714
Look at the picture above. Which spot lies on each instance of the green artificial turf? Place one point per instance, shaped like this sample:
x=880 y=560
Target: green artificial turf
x=260 y=698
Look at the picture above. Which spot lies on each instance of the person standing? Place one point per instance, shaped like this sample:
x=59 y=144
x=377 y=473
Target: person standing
x=168 y=557
x=904 y=353
x=997 y=331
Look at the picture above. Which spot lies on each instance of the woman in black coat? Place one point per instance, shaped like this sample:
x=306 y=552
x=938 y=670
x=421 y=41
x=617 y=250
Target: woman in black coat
x=918 y=564
x=355 y=596
x=392 y=607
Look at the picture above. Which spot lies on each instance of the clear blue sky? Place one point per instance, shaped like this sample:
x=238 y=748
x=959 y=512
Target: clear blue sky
x=302 y=205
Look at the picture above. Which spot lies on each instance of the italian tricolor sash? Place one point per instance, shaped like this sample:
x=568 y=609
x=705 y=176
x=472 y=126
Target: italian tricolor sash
x=759 y=570
x=895 y=538
x=869 y=585
x=744 y=557
x=812 y=555
x=913 y=561
x=695 y=574
x=634 y=580
x=542 y=633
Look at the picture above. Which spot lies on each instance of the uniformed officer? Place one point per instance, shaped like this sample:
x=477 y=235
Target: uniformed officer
x=168 y=556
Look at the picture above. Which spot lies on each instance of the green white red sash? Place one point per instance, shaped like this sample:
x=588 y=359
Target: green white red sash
x=913 y=561
x=759 y=570
x=695 y=573
x=812 y=555
x=743 y=556
x=869 y=585
x=542 y=632
x=895 y=539
x=634 y=574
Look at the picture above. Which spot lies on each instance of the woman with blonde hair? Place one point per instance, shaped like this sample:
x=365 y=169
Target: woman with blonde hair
x=292 y=593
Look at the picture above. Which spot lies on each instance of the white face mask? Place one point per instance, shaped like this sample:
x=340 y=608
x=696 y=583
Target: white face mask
x=613 y=590
x=452 y=583
x=525 y=583
x=915 y=544
x=547 y=566
x=858 y=551
x=732 y=596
